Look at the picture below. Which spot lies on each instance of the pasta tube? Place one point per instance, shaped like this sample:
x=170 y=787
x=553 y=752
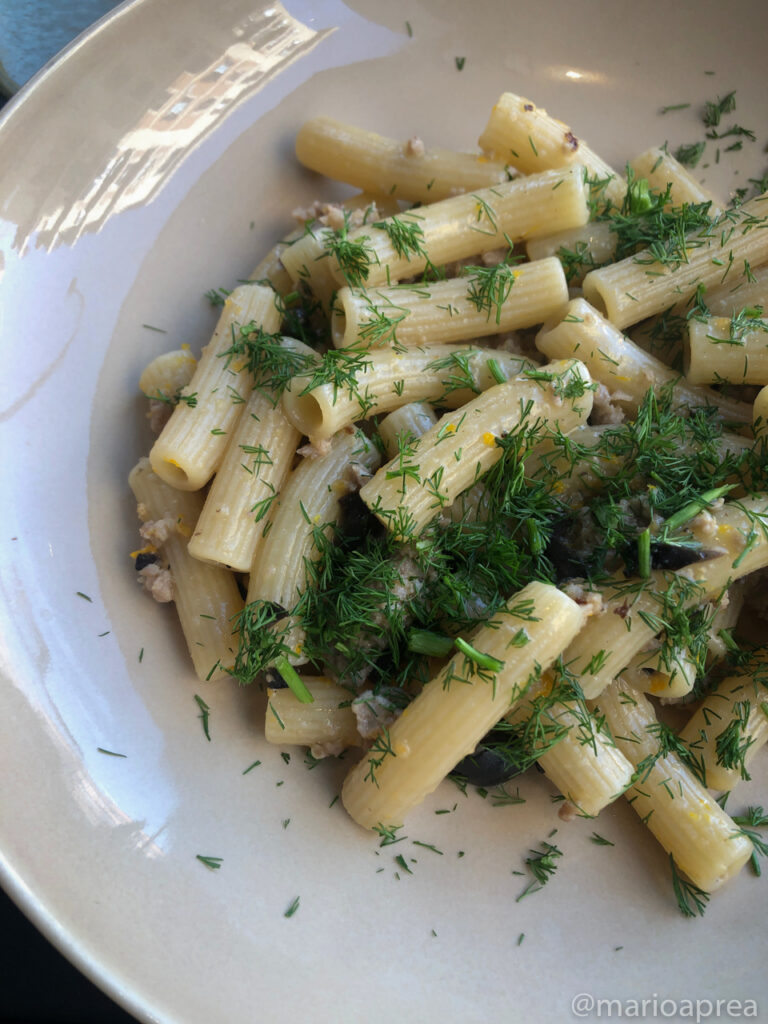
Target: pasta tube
x=531 y=140
x=686 y=820
x=433 y=470
x=747 y=290
x=309 y=502
x=591 y=245
x=667 y=674
x=626 y=369
x=305 y=260
x=388 y=379
x=192 y=444
x=455 y=710
x=453 y=229
x=660 y=169
x=405 y=170
x=635 y=611
x=639 y=286
x=256 y=462
x=327 y=724
x=405 y=424
x=730 y=726
x=588 y=769
x=207 y=598
x=167 y=374
x=719 y=351
x=488 y=301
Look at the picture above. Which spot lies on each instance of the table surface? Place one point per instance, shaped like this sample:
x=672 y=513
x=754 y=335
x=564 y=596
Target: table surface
x=39 y=986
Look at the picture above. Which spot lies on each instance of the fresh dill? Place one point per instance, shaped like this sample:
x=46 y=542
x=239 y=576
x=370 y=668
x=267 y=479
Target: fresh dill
x=292 y=907
x=542 y=864
x=691 y=900
x=271 y=363
x=488 y=288
x=204 y=716
x=599 y=840
x=212 y=863
x=354 y=256
x=749 y=822
x=733 y=743
x=406 y=235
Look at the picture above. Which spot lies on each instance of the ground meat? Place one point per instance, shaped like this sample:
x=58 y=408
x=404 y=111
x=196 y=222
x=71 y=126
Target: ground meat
x=589 y=599
x=372 y=713
x=356 y=476
x=409 y=582
x=330 y=749
x=157 y=582
x=157 y=532
x=704 y=525
x=333 y=215
x=315 y=449
x=603 y=408
x=414 y=147
x=567 y=812
x=158 y=415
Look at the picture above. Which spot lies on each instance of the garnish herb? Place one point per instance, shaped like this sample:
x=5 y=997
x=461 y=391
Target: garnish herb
x=691 y=900
x=753 y=819
x=599 y=840
x=213 y=863
x=542 y=864
x=204 y=715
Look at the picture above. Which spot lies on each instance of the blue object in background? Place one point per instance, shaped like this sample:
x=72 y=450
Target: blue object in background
x=33 y=31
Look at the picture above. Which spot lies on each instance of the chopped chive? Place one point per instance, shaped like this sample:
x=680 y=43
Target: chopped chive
x=422 y=641
x=692 y=508
x=479 y=658
x=293 y=680
x=644 y=552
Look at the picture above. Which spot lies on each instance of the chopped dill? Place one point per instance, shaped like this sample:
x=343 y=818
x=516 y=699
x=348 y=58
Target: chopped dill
x=691 y=900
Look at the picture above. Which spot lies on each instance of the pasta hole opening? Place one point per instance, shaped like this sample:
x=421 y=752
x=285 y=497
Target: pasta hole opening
x=593 y=296
x=338 y=327
x=310 y=414
x=175 y=475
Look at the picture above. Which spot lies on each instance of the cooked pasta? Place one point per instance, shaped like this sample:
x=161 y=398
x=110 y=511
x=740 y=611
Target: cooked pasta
x=493 y=529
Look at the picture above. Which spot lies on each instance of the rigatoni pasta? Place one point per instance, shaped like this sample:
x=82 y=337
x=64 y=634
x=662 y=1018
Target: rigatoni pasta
x=206 y=597
x=452 y=310
x=481 y=559
x=192 y=444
